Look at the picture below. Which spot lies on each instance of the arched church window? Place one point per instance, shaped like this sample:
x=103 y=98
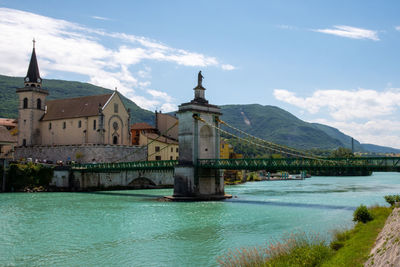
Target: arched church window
x=79 y=124
x=25 y=105
x=115 y=108
x=94 y=125
x=39 y=103
x=115 y=140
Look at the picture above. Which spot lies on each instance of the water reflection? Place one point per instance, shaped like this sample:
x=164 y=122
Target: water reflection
x=286 y=204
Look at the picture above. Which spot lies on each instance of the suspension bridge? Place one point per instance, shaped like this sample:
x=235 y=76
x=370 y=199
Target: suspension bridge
x=293 y=161
x=197 y=173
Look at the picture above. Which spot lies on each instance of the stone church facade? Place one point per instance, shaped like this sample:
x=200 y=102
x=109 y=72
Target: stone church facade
x=99 y=120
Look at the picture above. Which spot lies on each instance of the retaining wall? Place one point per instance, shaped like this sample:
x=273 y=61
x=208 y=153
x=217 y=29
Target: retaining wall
x=82 y=153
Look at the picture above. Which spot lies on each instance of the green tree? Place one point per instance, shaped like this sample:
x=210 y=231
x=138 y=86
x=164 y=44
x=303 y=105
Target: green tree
x=342 y=152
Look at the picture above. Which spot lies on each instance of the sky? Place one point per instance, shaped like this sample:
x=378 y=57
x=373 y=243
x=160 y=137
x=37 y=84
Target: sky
x=331 y=62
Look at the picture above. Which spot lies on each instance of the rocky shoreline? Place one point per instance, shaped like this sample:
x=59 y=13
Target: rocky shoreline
x=386 y=251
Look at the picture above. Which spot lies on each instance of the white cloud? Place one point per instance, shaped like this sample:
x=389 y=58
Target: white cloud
x=378 y=132
x=69 y=47
x=100 y=18
x=227 y=67
x=285 y=27
x=367 y=115
x=397 y=28
x=161 y=95
x=344 y=105
x=351 y=32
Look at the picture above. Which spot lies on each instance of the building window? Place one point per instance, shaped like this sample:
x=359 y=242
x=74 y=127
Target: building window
x=94 y=125
x=64 y=125
x=177 y=157
x=170 y=157
x=115 y=140
x=157 y=149
x=25 y=103
x=115 y=108
x=158 y=157
x=24 y=142
x=172 y=149
x=177 y=150
x=49 y=125
x=39 y=103
x=79 y=124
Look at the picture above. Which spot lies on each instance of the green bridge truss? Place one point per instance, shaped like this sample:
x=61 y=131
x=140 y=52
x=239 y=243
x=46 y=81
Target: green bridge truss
x=383 y=164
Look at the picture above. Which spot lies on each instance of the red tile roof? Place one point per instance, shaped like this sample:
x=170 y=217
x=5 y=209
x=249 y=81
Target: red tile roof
x=6 y=137
x=85 y=106
x=8 y=122
x=141 y=126
x=159 y=138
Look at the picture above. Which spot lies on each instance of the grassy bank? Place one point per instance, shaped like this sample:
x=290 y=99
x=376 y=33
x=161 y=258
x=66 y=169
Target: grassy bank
x=358 y=242
x=348 y=248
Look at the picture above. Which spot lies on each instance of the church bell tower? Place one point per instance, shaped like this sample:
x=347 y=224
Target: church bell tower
x=31 y=107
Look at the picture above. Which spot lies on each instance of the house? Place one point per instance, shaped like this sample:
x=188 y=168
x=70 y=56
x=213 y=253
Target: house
x=7 y=143
x=159 y=147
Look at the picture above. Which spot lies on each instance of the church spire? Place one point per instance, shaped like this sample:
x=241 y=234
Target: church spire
x=32 y=78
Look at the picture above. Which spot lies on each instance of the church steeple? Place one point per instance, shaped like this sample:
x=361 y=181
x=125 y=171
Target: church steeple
x=32 y=78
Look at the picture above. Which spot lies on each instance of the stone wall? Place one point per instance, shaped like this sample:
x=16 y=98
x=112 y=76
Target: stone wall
x=82 y=153
x=77 y=180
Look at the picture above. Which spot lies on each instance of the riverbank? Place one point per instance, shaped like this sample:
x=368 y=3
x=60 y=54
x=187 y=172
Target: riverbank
x=348 y=248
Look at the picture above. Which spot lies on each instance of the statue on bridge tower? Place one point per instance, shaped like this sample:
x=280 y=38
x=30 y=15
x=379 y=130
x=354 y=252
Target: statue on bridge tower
x=200 y=79
x=199 y=91
x=198 y=139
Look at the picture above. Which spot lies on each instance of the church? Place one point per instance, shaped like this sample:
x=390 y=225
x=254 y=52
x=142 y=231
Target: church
x=98 y=120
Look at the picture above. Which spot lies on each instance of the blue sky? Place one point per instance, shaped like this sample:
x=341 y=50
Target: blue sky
x=334 y=62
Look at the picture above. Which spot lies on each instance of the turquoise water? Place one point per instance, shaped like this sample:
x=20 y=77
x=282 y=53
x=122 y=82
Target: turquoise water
x=131 y=228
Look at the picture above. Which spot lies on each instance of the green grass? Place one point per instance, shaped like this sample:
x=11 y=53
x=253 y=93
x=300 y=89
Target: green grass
x=296 y=250
x=359 y=240
x=348 y=248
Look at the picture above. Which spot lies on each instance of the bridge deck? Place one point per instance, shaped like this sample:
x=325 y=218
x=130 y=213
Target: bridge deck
x=284 y=164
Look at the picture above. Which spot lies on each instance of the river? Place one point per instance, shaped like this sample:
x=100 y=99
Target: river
x=132 y=228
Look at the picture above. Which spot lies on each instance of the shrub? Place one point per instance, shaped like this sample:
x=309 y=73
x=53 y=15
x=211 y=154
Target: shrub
x=391 y=199
x=21 y=175
x=362 y=214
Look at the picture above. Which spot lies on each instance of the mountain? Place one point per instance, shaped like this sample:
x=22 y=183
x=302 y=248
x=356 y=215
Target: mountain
x=278 y=126
x=59 y=89
x=267 y=122
x=379 y=149
x=343 y=138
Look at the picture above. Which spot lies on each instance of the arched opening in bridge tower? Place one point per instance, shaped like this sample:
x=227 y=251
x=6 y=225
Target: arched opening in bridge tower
x=206 y=145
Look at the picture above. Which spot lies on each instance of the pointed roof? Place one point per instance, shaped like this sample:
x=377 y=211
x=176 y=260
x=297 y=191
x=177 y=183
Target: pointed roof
x=33 y=70
x=85 y=106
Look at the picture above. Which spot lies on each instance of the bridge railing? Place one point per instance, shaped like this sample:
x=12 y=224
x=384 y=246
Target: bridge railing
x=367 y=163
x=121 y=166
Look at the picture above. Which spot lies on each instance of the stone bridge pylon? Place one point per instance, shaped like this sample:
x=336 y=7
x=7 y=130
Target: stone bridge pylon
x=198 y=139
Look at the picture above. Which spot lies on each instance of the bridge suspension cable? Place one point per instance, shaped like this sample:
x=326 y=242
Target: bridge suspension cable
x=277 y=148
